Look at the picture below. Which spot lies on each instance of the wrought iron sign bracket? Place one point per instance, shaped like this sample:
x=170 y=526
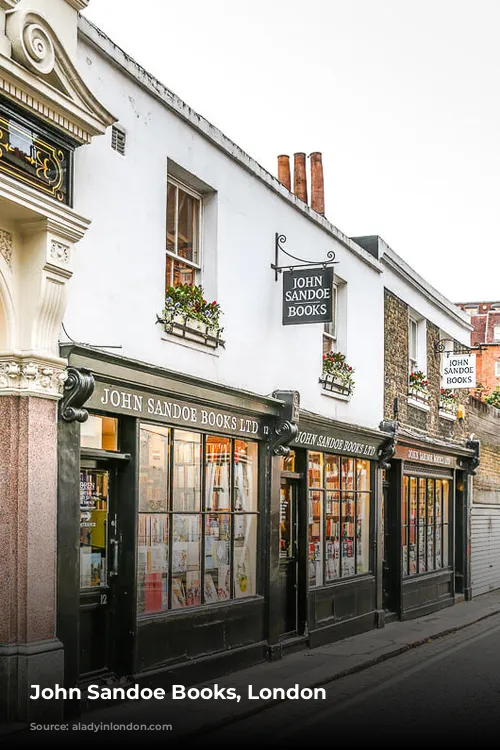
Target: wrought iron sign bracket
x=440 y=348
x=280 y=239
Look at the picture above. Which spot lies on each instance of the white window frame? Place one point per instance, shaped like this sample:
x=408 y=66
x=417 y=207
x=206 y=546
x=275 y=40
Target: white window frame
x=497 y=368
x=496 y=332
x=330 y=332
x=412 y=360
x=196 y=266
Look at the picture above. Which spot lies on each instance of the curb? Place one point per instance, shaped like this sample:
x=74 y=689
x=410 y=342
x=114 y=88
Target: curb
x=228 y=720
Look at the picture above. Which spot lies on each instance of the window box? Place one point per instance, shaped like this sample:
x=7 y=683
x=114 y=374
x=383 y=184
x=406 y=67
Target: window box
x=419 y=399
x=193 y=330
x=334 y=385
x=447 y=404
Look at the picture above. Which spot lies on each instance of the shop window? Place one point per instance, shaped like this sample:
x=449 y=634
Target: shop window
x=425 y=524
x=183 y=264
x=210 y=506
x=99 y=432
x=287 y=463
x=339 y=517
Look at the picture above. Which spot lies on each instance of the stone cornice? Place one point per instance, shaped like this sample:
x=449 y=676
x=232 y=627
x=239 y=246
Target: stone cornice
x=59 y=219
x=76 y=4
x=47 y=83
x=28 y=374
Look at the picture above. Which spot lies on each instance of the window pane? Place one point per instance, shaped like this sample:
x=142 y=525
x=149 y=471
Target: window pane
x=187 y=471
x=315 y=463
x=347 y=529
x=94 y=489
x=446 y=499
x=332 y=536
x=245 y=555
x=363 y=533
x=332 y=473
x=422 y=502
x=439 y=560
x=99 y=432
x=171 y=198
x=286 y=521
x=439 y=519
x=152 y=563
x=446 y=561
x=362 y=475
x=413 y=527
x=404 y=542
x=245 y=475
x=218 y=473
x=404 y=524
x=187 y=227
x=186 y=554
x=179 y=273
x=217 y=541
x=287 y=463
x=154 y=468
x=430 y=524
x=348 y=473
x=315 y=537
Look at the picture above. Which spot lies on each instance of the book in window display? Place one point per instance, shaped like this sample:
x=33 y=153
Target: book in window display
x=180 y=557
x=421 y=549
x=193 y=590
x=223 y=582
x=210 y=590
x=178 y=593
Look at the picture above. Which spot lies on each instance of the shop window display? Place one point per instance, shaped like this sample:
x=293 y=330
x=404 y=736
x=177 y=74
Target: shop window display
x=339 y=517
x=425 y=524
x=210 y=508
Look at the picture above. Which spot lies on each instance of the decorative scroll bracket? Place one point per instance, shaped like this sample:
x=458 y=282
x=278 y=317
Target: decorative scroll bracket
x=388 y=448
x=287 y=428
x=280 y=239
x=78 y=388
x=473 y=463
x=440 y=348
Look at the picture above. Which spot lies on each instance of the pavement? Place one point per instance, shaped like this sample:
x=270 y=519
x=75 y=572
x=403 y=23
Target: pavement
x=308 y=668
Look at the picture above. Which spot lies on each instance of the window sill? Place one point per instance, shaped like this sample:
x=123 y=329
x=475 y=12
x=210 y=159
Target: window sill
x=448 y=415
x=336 y=395
x=189 y=344
x=418 y=404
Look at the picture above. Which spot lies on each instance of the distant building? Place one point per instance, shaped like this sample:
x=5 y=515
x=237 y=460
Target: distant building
x=485 y=319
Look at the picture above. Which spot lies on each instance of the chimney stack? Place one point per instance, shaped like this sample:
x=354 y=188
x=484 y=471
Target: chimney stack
x=317 y=183
x=299 y=176
x=284 y=171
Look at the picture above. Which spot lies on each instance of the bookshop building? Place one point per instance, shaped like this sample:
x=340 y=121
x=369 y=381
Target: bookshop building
x=185 y=538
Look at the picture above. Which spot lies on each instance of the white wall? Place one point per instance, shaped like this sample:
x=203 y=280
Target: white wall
x=118 y=284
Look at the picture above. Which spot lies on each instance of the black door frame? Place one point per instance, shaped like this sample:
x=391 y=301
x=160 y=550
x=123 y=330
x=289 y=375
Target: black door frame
x=293 y=482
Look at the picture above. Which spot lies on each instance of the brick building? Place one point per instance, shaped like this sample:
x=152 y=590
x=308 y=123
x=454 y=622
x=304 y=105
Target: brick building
x=427 y=485
x=485 y=320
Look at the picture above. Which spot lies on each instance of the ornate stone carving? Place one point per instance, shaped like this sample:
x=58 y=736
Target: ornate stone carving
x=59 y=252
x=6 y=246
x=31 y=376
x=78 y=388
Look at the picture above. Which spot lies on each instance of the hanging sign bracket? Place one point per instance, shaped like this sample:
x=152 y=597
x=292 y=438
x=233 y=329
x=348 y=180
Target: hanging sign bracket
x=279 y=242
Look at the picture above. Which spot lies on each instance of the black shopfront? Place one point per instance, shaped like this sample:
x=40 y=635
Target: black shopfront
x=425 y=528
x=163 y=523
x=325 y=584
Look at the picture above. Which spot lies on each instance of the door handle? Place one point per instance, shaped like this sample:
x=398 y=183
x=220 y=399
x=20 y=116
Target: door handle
x=114 y=568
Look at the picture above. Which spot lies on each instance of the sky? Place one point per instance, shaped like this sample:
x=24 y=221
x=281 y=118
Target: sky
x=401 y=97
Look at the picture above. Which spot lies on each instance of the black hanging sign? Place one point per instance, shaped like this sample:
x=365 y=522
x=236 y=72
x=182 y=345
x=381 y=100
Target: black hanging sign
x=307 y=296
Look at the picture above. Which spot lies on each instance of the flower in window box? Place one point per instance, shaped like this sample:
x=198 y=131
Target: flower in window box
x=448 y=400
x=186 y=306
x=418 y=386
x=337 y=374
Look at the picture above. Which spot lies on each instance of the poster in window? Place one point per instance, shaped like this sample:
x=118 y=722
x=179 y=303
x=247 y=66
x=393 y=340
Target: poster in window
x=178 y=593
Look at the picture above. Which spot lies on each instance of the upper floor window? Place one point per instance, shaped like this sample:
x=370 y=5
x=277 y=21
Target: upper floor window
x=497 y=369
x=183 y=235
x=413 y=344
x=330 y=329
x=496 y=332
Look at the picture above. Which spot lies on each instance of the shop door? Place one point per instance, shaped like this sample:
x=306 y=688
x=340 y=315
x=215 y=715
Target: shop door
x=288 y=563
x=99 y=559
x=390 y=558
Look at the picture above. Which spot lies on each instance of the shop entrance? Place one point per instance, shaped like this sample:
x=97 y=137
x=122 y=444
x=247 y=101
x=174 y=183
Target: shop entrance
x=99 y=572
x=391 y=545
x=288 y=561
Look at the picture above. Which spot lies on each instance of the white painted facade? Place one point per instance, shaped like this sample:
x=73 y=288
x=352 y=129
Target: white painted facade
x=119 y=282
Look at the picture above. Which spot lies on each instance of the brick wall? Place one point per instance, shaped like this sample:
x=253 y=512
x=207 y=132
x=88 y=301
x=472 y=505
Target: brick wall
x=486 y=360
x=485 y=424
x=396 y=378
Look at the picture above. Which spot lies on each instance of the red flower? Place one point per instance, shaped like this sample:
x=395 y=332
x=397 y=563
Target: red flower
x=214 y=303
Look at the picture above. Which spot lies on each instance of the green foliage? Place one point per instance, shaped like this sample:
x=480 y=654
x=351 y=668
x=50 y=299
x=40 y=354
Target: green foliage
x=188 y=302
x=493 y=398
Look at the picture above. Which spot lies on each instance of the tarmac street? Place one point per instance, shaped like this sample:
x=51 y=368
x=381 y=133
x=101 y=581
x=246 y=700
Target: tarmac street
x=436 y=677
